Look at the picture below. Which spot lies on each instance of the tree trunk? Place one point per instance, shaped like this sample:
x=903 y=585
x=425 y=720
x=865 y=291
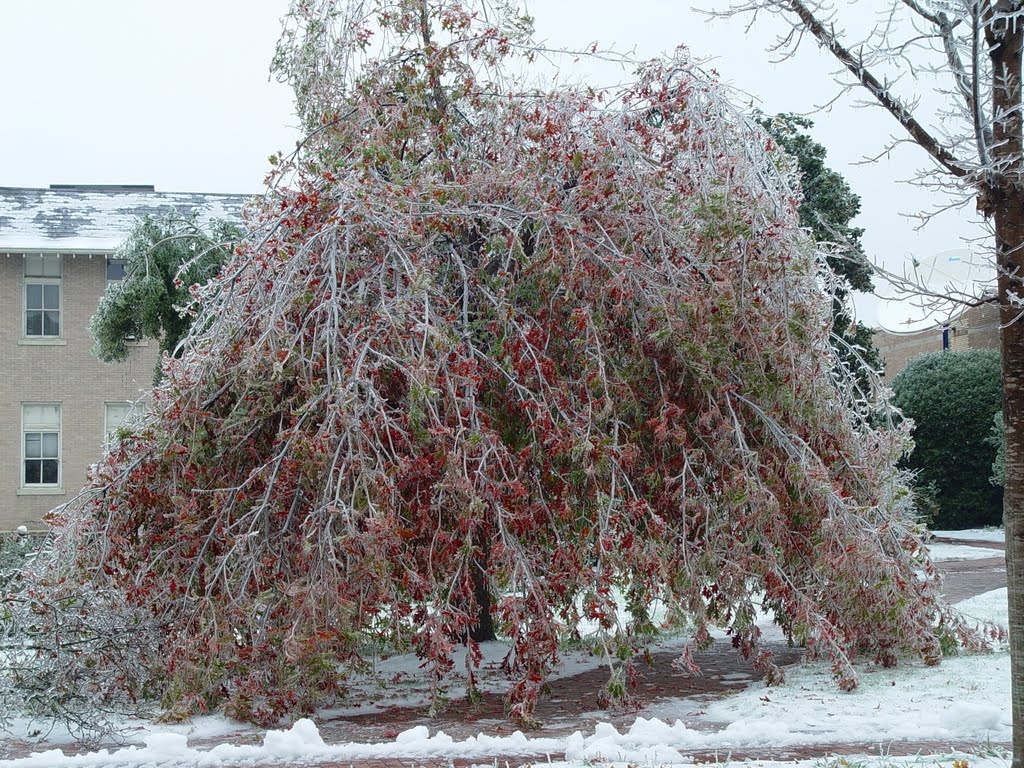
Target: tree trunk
x=483 y=630
x=1013 y=515
x=1003 y=199
x=1012 y=346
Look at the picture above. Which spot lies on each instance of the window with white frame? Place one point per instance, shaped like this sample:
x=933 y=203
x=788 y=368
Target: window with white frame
x=42 y=295
x=40 y=433
x=114 y=417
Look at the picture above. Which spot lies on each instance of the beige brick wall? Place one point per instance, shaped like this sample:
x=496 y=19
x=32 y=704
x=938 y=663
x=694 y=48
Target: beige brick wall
x=983 y=326
x=67 y=373
x=899 y=349
x=976 y=328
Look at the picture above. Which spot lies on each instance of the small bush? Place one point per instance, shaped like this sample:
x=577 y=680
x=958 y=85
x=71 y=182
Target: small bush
x=952 y=398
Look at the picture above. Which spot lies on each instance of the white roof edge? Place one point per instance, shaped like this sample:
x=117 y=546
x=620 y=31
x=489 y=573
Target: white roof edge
x=29 y=250
x=95 y=220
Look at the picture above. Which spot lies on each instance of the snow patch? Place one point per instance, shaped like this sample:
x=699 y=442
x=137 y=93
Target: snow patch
x=996 y=535
x=987 y=607
x=940 y=552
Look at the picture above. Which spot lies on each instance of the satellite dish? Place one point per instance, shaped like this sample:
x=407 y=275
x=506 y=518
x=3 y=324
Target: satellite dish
x=958 y=272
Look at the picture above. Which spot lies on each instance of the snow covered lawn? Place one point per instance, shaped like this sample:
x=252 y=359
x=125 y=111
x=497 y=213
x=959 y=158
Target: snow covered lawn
x=941 y=552
x=964 y=700
x=996 y=535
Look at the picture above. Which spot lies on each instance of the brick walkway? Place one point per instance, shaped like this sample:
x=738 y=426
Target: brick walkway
x=572 y=703
x=966 y=578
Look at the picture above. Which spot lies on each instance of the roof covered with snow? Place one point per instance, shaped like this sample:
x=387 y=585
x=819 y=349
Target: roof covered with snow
x=94 y=218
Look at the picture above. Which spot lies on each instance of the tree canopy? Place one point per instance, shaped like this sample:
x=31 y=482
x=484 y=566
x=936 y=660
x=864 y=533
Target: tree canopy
x=829 y=204
x=576 y=342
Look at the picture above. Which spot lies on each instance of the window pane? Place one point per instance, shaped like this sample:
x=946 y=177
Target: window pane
x=116 y=413
x=46 y=265
x=51 y=296
x=51 y=323
x=34 y=323
x=33 y=296
x=50 y=471
x=50 y=445
x=32 y=471
x=33 y=443
x=115 y=269
x=114 y=418
x=39 y=417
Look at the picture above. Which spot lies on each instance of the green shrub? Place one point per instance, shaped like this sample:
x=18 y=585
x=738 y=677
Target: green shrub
x=951 y=397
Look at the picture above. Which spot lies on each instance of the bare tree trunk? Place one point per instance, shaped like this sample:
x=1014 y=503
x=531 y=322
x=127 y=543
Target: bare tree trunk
x=1013 y=513
x=1010 y=239
x=483 y=630
x=1003 y=198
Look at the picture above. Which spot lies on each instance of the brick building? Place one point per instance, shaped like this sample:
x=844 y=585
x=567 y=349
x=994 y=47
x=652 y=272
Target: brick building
x=974 y=328
x=57 y=256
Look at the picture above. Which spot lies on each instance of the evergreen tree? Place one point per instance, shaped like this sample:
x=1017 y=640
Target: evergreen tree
x=164 y=258
x=827 y=208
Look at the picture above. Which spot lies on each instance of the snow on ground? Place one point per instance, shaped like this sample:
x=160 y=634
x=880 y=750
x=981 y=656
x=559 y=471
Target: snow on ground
x=940 y=552
x=300 y=743
x=964 y=699
x=647 y=742
x=131 y=730
x=989 y=606
x=996 y=535
x=877 y=760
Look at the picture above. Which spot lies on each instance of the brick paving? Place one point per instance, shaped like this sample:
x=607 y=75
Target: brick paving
x=572 y=704
x=966 y=578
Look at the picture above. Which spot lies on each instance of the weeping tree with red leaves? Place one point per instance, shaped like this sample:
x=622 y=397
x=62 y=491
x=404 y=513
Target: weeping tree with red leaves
x=488 y=353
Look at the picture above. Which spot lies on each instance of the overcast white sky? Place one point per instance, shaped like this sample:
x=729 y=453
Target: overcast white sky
x=176 y=94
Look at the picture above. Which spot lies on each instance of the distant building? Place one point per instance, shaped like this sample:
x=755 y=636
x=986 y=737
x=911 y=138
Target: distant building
x=905 y=330
x=57 y=256
x=974 y=328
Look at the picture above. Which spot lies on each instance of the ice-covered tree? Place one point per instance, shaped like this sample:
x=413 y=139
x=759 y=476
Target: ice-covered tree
x=569 y=343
